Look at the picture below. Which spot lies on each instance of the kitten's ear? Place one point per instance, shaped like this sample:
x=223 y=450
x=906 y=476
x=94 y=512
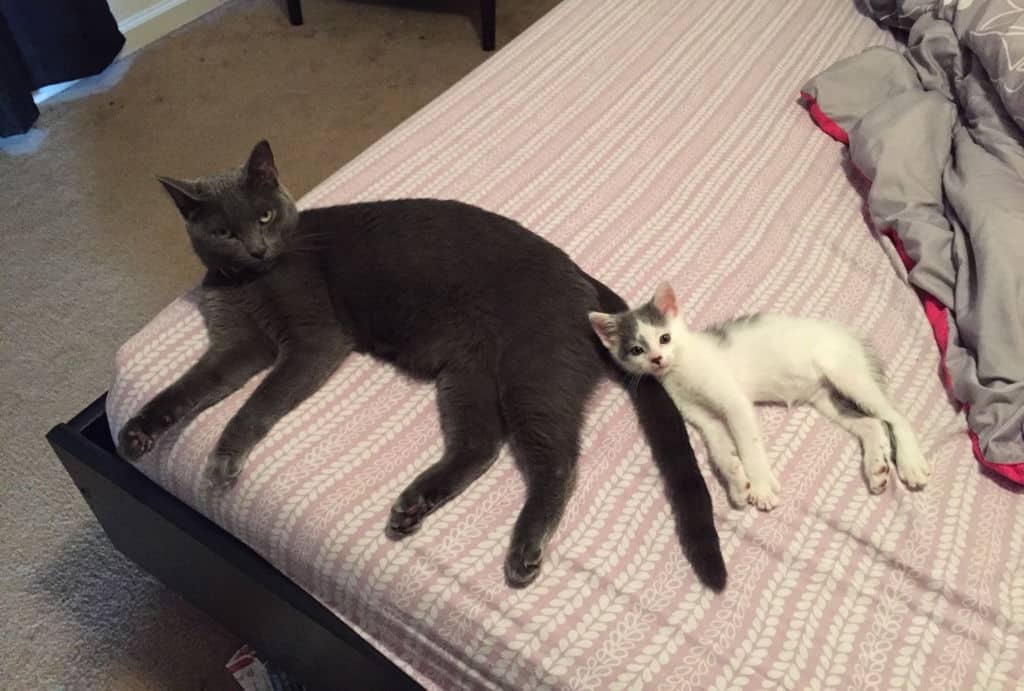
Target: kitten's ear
x=606 y=328
x=260 y=170
x=184 y=195
x=665 y=300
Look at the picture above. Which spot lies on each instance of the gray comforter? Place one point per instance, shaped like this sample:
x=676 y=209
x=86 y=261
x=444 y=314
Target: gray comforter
x=937 y=128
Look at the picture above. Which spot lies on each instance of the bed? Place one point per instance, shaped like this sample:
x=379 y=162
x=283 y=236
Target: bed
x=650 y=139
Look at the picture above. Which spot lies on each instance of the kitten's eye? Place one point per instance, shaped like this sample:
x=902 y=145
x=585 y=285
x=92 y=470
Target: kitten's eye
x=636 y=350
x=267 y=217
x=665 y=338
x=223 y=233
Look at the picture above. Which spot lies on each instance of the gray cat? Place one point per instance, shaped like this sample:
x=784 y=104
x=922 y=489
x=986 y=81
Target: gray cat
x=493 y=313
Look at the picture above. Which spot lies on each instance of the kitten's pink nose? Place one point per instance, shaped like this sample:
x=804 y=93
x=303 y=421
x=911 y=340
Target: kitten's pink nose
x=656 y=360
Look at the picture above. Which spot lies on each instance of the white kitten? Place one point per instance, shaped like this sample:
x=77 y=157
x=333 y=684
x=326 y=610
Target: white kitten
x=716 y=376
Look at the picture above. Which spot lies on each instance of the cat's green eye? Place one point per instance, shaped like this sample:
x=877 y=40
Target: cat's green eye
x=267 y=217
x=665 y=338
x=636 y=350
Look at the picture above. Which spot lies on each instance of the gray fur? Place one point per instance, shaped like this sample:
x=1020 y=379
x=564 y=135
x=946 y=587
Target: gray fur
x=722 y=330
x=627 y=327
x=844 y=404
x=649 y=314
x=496 y=315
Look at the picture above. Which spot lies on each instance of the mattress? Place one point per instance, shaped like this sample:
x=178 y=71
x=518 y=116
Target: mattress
x=652 y=140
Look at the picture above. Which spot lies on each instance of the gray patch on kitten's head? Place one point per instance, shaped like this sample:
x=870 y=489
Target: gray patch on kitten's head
x=239 y=219
x=649 y=314
x=626 y=324
x=722 y=330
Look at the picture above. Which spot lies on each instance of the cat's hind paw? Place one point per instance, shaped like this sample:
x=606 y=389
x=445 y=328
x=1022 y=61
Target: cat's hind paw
x=522 y=565
x=223 y=469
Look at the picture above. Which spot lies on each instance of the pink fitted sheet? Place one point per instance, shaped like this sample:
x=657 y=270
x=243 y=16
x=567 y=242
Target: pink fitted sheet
x=650 y=139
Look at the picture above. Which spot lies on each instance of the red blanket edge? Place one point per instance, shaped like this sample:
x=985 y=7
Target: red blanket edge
x=933 y=309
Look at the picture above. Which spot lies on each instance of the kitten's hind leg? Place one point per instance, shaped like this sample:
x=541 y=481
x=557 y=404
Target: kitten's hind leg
x=722 y=453
x=857 y=385
x=472 y=428
x=872 y=433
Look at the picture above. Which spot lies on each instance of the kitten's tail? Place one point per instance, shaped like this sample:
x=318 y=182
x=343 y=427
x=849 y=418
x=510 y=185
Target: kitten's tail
x=673 y=454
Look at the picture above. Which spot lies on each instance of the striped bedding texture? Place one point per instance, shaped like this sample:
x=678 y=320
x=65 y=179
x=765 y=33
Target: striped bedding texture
x=651 y=139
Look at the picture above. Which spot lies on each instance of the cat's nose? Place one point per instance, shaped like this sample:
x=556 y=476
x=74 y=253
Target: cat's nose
x=656 y=360
x=259 y=252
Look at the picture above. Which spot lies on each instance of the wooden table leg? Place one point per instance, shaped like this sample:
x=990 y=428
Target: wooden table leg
x=295 y=12
x=488 y=10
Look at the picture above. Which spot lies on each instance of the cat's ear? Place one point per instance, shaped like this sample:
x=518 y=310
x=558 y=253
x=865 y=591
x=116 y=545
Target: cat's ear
x=606 y=328
x=184 y=194
x=665 y=300
x=260 y=170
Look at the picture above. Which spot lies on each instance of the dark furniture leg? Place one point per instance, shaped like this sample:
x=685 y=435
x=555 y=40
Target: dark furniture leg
x=488 y=10
x=212 y=569
x=295 y=12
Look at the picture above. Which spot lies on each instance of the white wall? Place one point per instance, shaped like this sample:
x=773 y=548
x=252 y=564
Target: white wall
x=123 y=9
x=144 y=21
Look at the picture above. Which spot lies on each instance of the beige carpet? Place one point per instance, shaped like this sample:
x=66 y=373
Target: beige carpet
x=91 y=248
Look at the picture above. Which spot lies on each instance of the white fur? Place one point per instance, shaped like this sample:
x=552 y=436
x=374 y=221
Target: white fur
x=773 y=359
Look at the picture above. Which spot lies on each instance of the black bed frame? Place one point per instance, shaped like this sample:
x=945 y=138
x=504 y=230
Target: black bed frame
x=488 y=20
x=214 y=570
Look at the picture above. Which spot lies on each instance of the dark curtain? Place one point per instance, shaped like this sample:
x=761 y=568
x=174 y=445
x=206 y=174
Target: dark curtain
x=45 y=42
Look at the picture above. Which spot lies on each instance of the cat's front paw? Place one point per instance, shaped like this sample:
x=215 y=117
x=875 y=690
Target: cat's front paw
x=913 y=469
x=763 y=495
x=135 y=441
x=407 y=515
x=522 y=565
x=223 y=469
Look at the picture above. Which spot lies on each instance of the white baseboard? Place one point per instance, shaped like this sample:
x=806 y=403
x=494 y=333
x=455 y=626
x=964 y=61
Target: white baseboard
x=50 y=90
x=143 y=27
x=160 y=19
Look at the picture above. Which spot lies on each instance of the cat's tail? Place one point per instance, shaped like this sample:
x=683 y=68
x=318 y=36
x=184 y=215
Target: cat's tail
x=673 y=454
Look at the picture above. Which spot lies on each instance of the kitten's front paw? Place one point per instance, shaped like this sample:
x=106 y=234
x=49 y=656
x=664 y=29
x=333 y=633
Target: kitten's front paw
x=913 y=469
x=223 y=469
x=739 y=493
x=763 y=496
x=738 y=486
x=134 y=441
x=522 y=565
x=877 y=473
